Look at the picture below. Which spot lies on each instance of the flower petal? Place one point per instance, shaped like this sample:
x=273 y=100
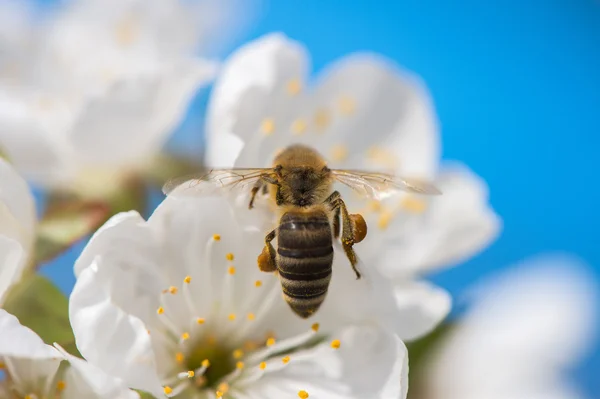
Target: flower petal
x=251 y=89
x=19 y=341
x=137 y=114
x=107 y=336
x=17 y=208
x=13 y=259
x=86 y=380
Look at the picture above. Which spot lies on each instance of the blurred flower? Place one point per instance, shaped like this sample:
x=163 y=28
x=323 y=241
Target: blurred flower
x=362 y=113
x=90 y=92
x=33 y=369
x=17 y=227
x=177 y=305
x=525 y=329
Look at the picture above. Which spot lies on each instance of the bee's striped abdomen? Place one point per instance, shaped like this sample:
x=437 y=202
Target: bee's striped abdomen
x=304 y=259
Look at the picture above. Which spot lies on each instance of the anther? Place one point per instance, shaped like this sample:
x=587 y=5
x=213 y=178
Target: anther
x=217 y=237
x=268 y=126
x=257 y=283
x=315 y=327
x=173 y=290
x=263 y=365
x=205 y=363
x=167 y=390
x=61 y=385
x=229 y=257
x=239 y=365
x=322 y=119
x=187 y=279
x=413 y=205
x=200 y=320
x=303 y=394
x=186 y=374
x=271 y=341
x=286 y=360
x=223 y=387
x=299 y=126
x=384 y=220
x=347 y=105
x=231 y=270
x=179 y=357
x=339 y=152
x=185 y=336
x=231 y=316
x=160 y=310
x=238 y=353
x=251 y=316
x=335 y=344
x=293 y=87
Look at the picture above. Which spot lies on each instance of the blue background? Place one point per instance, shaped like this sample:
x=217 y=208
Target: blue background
x=516 y=85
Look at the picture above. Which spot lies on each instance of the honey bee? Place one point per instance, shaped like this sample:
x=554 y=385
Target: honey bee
x=300 y=186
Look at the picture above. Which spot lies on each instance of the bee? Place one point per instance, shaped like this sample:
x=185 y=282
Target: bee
x=311 y=214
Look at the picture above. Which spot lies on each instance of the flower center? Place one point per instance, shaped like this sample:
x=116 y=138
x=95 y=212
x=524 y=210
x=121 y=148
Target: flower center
x=219 y=357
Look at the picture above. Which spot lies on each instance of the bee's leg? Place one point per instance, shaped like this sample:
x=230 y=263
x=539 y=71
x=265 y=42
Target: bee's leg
x=339 y=207
x=336 y=223
x=263 y=183
x=266 y=260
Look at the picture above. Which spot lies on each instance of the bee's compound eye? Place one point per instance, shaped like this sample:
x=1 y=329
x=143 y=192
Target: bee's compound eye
x=359 y=227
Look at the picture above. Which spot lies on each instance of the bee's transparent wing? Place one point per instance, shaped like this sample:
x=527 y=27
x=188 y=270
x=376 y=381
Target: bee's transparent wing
x=381 y=185
x=214 y=180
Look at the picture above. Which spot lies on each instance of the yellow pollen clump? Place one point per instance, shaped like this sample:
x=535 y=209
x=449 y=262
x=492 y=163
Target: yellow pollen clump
x=303 y=394
x=179 y=358
x=374 y=206
x=267 y=126
x=160 y=310
x=384 y=220
x=251 y=316
x=382 y=157
x=173 y=290
x=231 y=316
x=299 y=126
x=257 y=283
x=335 y=344
x=32 y=396
x=239 y=365
x=294 y=86
x=168 y=390
x=263 y=365
x=219 y=394
x=185 y=336
x=315 y=327
x=250 y=345
x=187 y=279
x=200 y=320
x=229 y=257
x=191 y=374
x=322 y=119
x=61 y=385
x=347 y=105
x=339 y=152
x=271 y=341
x=217 y=237
x=238 y=353
x=148 y=331
x=205 y=363
x=231 y=270
x=286 y=360
x=413 y=205
x=223 y=387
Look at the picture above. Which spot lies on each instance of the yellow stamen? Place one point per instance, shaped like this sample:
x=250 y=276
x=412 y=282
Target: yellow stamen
x=205 y=363
x=173 y=290
x=382 y=157
x=339 y=152
x=160 y=310
x=299 y=126
x=335 y=344
x=374 y=206
x=185 y=336
x=211 y=340
x=179 y=357
x=303 y=394
x=231 y=270
x=294 y=87
x=413 y=205
x=217 y=237
x=322 y=119
x=271 y=341
x=267 y=126
x=191 y=374
x=239 y=365
x=219 y=394
x=167 y=390
x=148 y=331
x=250 y=345
x=187 y=279
x=315 y=327
x=257 y=283
x=223 y=387
x=347 y=105
x=61 y=385
x=200 y=320
x=384 y=220
x=229 y=257
x=251 y=316
x=286 y=360
x=238 y=353
x=231 y=316
x=263 y=365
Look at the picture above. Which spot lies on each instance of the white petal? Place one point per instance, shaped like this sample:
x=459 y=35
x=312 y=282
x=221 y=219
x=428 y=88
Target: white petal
x=13 y=259
x=86 y=380
x=422 y=305
x=19 y=341
x=250 y=88
x=456 y=226
x=17 y=207
x=370 y=363
x=107 y=336
x=131 y=122
x=389 y=124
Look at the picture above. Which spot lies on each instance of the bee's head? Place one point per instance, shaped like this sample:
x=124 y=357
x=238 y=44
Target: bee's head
x=302 y=185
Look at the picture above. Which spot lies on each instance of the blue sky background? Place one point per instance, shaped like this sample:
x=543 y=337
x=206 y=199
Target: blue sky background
x=517 y=88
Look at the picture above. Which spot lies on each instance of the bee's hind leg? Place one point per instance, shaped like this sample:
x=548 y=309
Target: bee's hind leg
x=266 y=259
x=339 y=207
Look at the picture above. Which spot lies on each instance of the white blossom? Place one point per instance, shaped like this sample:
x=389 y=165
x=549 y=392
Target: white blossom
x=33 y=370
x=362 y=112
x=176 y=305
x=524 y=330
x=92 y=90
x=17 y=227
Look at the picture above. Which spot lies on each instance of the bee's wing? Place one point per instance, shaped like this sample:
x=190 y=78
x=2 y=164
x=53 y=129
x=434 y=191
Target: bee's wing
x=380 y=185
x=213 y=180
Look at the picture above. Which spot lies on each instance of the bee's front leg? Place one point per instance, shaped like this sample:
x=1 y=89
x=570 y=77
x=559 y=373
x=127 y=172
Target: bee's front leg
x=266 y=259
x=261 y=183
